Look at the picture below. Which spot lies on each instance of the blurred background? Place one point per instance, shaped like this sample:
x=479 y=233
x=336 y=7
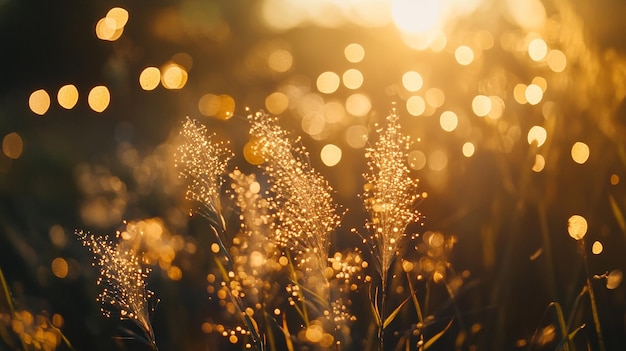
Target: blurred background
x=515 y=110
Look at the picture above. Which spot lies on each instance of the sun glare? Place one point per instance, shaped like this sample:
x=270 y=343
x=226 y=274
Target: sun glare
x=416 y=17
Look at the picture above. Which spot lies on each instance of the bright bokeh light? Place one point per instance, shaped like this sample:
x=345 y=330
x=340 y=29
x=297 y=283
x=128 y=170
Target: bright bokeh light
x=537 y=135
x=541 y=82
x=356 y=136
x=468 y=149
x=497 y=107
x=415 y=105
x=174 y=76
x=537 y=49
x=39 y=102
x=280 y=60
x=59 y=267
x=227 y=107
x=614 y=279
x=106 y=30
x=577 y=227
x=354 y=53
x=328 y=82
x=358 y=105
x=276 y=103
x=519 y=93
x=99 y=98
x=209 y=104
x=438 y=160
x=352 y=78
x=416 y=160
x=334 y=112
x=12 y=145
x=67 y=96
x=481 y=105
x=464 y=55
x=533 y=94
x=118 y=16
x=597 y=248
x=580 y=152
x=540 y=163
x=416 y=16
x=528 y=14
x=251 y=153
x=412 y=81
x=435 y=97
x=330 y=155
x=557 y=61
x=150 y=78
x=448 y=121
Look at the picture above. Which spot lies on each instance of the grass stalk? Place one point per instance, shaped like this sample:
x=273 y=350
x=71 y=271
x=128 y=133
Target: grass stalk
x=592 y=297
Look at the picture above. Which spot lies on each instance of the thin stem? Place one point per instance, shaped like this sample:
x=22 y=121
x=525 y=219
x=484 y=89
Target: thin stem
x=592 y=297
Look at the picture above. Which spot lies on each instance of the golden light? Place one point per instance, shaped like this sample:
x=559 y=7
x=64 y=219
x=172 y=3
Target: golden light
x=330 y=155
x=276 y=103
x=412 y=81
x=435 y=97
x=149 y=78
x=354 y=53
x=12 y=145
x=252 y=154
x=438 y=160
x=481 y=105
x=106 y=29
x=99 y=98
x=60 y=268
x=39 y=102
x=537 y=49
x=416 y=159
x=468 y=149
x=464 y=55
x=497 y=107
x=227 y=107
x=174 y=76
x=314 y=333
x=557 y=61
x=614 y=179
x=597 y=248
x=533 y=94
x=580 y=152
x=528 y=14
x=614 y=279
x=448 y=121
x=519 y=93
x=358 y=105
x=352 y=79
x=280 y=60
x=415 y=105
x=537 y=135
x=118 y=16
x=541 y=82
x=577 y=227
x=328 y=82
x=540 y=163
x=174 y=273
x=209 y=104
x=67 y=96
x=356 y=136
x=334 y=112
x=416 y=16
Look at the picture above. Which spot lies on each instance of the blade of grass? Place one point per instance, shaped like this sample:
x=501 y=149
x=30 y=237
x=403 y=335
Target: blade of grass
x=416 y=303
x=436 y=337
x=287 y=335
x=393 y=314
